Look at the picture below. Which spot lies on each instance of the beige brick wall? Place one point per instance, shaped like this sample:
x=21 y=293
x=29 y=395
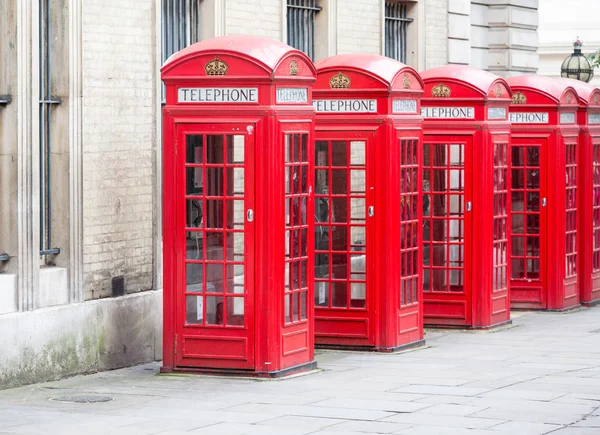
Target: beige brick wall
x=119 y=138
x=436 y=33
x=359 y=26
x=263 y=18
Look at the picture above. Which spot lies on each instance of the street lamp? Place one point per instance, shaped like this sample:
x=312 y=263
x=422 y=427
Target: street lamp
x=576 y=66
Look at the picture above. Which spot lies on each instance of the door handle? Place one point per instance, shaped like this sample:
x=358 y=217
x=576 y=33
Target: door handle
x=543 y=202
x=250 y=215
x=371 y=211
x=469 y=206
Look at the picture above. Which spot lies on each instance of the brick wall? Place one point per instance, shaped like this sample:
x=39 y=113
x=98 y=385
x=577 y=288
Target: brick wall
x=263 y=18
x=359 y=26
x=118 y=144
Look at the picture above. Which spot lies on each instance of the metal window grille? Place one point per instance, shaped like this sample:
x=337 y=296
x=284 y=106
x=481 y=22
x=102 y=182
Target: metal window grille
x=4 y=100
x=45 y=119
x=180 y=26
x=396 y=29
x=301 y=16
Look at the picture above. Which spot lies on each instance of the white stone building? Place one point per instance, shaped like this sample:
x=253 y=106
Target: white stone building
x=560 y=25
x=80 y=163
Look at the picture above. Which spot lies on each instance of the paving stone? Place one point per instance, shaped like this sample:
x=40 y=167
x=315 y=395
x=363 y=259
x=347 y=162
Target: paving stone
x=311 y=423
x=445 y=421
x=248 y=429
x=377 y=405
x=379 y=427
x=452 y=409
x=523 y=428
x=440 y=389
x=311 y=411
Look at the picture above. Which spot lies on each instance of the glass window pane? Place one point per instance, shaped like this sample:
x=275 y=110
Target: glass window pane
x=195 y=213
x=194 y=181
x=214 y=277
x=194 y=277
x=357 y=238
x=235 y=246
x=214 y=245
x=214 y=181
x=456 y=155
x=235 y=149
x=214 y=149
x=358 y=295
x=304 y=148
x=358 y=209
x=533 y=156
x=340 y=209
x=194 y=309
x=321 y=293
x=357 y=182
x=194 y=245
x=195 y=149
x=303 y=305
x=357 y=153
x=322 y=182
x=288 y=148
x=339 y=154
x=235 y=278
x=321 y=266
x=321 y=153
x=235 y=311
x=235 y=181
x=340 y=294
x=235 y=214
x=214 y=310
x=339 y=182
x=214 y=213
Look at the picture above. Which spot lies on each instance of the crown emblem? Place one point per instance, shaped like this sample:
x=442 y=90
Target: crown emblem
x=519 y=98
x=498 y=91
x=569 y=99
x=596 y=99
x=406 y=81
x=294 y=68
x=216 y=67
x=339 y=81
x=441 y=90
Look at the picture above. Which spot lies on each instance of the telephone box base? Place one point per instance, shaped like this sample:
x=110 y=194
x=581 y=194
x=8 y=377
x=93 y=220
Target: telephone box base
x=403 y=347
x=490 y=328
x=591 y=303
x=528 y=307
x=302 y=368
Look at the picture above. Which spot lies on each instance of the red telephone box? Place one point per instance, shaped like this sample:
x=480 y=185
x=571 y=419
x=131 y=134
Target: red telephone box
x=238 y=211
x=466 y=145
x=367 y=203
x=588 y=119
x=544 y=193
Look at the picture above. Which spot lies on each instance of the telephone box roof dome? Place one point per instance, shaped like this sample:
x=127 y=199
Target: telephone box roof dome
x=265 y=51
x=551 y=87
x=480 y=79
x=384 y=68
x=584 y=90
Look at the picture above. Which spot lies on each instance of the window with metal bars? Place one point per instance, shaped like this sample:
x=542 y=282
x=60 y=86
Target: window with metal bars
x=396 y=30
x=46 y=101
x=301 y=15
x=180 y=26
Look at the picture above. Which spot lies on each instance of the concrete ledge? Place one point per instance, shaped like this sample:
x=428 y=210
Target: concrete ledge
x=56 y=342
x=8 y=293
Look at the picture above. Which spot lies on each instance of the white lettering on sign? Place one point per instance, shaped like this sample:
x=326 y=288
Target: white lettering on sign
x=567 y=118
x=448 y=112
x=217 y=95
x=594 y=118
x=529 y=117
x=404 y=106
x=345 y=106
x=292 y=95
x=496 y=112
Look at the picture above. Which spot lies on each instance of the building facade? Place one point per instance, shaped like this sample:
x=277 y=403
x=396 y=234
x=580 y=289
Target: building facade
x=80 y=154
x=560 y=27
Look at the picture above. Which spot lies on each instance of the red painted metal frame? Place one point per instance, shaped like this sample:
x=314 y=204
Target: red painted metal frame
x=266 y=344
x=588 y=119
x=388 y=321
x=552 y=289
x=484 y=301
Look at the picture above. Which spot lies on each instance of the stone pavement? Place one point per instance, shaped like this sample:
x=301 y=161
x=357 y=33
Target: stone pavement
x=540 y=376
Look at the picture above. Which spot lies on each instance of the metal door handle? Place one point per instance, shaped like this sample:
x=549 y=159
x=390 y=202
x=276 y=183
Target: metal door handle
x=468 y=205
x=371 y=211
x=543 y=202
x=250 y=215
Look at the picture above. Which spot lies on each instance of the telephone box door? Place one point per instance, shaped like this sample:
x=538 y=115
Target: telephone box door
x=215 y=239
x=528 y=223
x=447 y=223
x=344 y=300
